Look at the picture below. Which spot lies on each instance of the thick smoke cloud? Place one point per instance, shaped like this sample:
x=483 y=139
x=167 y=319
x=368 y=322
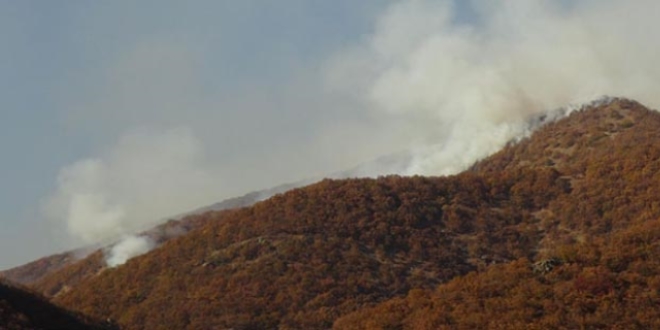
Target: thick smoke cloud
x=471 y=84
x=147 y=176
x=433 y=88
x=127 y=248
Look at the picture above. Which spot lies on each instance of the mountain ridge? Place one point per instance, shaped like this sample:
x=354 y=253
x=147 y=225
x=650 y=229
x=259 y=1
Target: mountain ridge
x=345 y=253
x=599 y=244
x=33 y=271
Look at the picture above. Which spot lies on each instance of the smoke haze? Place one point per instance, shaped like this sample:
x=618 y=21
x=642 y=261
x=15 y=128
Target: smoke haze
x=147 y=176
x=446 y=84
x=127 y=248
x=472 y=85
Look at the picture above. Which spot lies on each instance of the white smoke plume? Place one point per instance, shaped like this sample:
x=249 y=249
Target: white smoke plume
x=129 y=247
x=434 y=85
x=148 y=176
x=469 y=81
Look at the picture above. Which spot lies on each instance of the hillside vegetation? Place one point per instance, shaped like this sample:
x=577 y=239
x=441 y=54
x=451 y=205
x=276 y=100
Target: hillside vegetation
x=603 y=238
x=559 y=230
x=302 y=259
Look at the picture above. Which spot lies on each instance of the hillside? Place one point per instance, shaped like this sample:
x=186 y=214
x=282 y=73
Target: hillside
x=301 y=259
x=577 y=199
x=50 y=274
x=78 y=267
x=600 y=242
x=606 y=282
x=35 y=270
x=22 y=310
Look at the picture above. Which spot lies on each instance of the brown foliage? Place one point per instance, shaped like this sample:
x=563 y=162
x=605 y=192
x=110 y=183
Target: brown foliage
x=423 y=253
x=616 y=285
x=304 y=258
x=34 y=271
x=605 y=231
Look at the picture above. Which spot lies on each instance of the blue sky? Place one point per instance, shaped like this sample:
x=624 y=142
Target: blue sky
x=57 y=57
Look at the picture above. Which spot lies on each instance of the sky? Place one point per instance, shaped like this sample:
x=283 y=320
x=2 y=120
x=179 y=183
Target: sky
x=78 y=76
x=118 y=114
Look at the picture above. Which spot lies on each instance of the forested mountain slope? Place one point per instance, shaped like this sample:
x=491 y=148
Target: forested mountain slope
x=556 y=230
x=302 y=259
x=597 y=264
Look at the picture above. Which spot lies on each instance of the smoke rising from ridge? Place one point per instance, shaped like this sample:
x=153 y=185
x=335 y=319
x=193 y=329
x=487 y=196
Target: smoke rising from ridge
x=438 y=85
x=478 y=81
x=127 y=248
x=148 y=176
